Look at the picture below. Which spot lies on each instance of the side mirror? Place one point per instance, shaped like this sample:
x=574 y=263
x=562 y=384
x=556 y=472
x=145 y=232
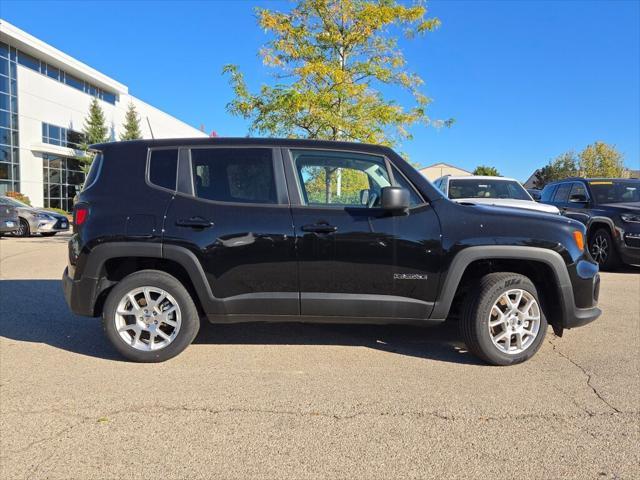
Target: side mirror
x=395 y=198
x=578 y=198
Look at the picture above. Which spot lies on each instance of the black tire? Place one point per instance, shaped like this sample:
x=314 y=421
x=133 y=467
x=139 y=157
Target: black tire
x=153 y=278
x=602 y=250
x=24 y=230
x=48 y=234
x=477 y=311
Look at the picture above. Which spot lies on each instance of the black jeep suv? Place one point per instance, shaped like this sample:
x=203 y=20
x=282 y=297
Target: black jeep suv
x=241 y=230
x=610 y=208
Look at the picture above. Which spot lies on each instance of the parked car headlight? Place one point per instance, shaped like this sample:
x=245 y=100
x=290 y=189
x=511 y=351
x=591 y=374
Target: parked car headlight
x=631 y=217
x=44 y=216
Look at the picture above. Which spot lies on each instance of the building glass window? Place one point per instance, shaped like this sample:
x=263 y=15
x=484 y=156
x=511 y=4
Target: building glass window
x=44 y=68
x=9 y=151
x=64 y=137
x=63 y=177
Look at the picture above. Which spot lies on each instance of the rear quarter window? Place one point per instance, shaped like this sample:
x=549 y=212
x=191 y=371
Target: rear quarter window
x=547 y=193
x=163 y=167
x=94 y=171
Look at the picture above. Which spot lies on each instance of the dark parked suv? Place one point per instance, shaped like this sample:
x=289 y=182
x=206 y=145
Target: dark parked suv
x=241 y=230
x=610 y=208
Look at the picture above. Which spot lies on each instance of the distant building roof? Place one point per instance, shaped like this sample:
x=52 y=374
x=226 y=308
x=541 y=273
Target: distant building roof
x=439 y=169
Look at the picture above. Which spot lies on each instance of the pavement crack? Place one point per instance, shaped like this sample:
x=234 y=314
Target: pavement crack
x=588 y=375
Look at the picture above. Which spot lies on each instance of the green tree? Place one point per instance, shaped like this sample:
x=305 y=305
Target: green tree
x=563 y=166
x=131 y=124
x=95 y=131
x=332 y=57
x=601 y=160
x=488 y=171
x=95 y=128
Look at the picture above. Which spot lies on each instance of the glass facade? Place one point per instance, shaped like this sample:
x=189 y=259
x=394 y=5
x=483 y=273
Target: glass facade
x=44 y=68
x=64 y=137
x=9 y=149
x=63 y=177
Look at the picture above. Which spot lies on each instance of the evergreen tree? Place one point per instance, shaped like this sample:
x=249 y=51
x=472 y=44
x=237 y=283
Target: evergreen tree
x=131 y=124
x=95 y=129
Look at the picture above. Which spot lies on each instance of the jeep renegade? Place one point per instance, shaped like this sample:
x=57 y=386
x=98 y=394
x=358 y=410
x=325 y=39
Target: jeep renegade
x=167 y=232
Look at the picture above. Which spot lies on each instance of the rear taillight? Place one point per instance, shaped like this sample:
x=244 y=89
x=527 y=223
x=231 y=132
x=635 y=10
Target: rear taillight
x=80 y=215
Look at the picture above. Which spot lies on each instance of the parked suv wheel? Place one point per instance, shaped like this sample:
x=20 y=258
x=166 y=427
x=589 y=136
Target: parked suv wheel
x=503 y=322
x=602 y=250
x=150 y=317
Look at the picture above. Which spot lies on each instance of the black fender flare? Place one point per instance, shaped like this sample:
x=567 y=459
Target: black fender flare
x=180 y=255
x=598 y=219
x=470 y=254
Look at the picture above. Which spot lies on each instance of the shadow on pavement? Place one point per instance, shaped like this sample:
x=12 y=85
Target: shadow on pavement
x=35 y=311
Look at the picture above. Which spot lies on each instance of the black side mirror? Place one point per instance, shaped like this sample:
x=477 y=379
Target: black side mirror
x=578 y=198
x=395 y=198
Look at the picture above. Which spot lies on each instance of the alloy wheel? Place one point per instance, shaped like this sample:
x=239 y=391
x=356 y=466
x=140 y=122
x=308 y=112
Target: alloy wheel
x=148 y=318
x=514 y=321
x=600 y=249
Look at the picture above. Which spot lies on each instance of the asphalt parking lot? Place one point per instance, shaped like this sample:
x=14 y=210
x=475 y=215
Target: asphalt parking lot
x=307 y=401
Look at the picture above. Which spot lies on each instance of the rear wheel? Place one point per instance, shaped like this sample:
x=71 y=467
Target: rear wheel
x=503 y=322
x=602 y=250
x=150 y=317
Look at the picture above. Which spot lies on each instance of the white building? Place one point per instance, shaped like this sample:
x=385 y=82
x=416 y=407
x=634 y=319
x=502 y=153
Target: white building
x=44 y=100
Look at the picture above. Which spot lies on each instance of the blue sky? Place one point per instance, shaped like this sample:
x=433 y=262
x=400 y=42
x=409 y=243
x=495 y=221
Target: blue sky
x=524 y=80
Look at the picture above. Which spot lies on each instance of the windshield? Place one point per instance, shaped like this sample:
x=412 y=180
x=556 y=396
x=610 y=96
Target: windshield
x=487 y=188
x=615 y=191
x=13 y=202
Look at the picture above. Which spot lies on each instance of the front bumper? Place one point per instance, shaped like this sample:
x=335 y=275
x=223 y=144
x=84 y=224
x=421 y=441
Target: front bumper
x=628 y=243
x=581 y=304
x=80 y=295
x=57 y=224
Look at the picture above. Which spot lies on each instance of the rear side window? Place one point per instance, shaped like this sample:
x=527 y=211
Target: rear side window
x=240 y=175
x=163 y=166
x=562 y=194
x=547 y=193
x=94 y=171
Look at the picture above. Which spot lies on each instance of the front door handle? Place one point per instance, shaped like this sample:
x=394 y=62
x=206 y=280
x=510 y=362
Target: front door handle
x=194 y=222
x=319 y=228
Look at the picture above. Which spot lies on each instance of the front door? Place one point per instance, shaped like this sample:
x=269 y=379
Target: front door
x=232 y=214
x=356 y=259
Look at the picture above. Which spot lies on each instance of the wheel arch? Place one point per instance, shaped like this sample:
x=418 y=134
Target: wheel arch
x=546 y=269
x=109 y=263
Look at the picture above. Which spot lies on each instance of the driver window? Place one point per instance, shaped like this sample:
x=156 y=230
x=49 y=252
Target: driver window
x=340 y=179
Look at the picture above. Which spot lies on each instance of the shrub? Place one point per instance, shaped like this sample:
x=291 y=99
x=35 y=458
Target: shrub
x=57 y=210
x=19 y=196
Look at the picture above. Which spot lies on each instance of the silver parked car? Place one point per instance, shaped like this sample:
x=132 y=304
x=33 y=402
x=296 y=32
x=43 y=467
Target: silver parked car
x=36 y=220
x=8 y=219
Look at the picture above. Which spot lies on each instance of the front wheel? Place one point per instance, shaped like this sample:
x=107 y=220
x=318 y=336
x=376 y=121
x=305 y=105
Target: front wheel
x=23 y=229
x=602 y=250
x=150 y=317
x=503 y=322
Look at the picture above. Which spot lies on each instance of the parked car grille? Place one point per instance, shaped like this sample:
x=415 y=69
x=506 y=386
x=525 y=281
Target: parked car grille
x=632 y=240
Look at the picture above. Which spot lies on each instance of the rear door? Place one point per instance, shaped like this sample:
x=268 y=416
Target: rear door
x=356 y=259
x=232 y=214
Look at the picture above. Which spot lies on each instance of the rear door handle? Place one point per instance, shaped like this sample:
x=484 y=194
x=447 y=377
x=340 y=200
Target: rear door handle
x=319 y=228
x=194 y=222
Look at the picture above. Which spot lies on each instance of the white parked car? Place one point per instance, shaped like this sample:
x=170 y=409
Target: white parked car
x=481 y=190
